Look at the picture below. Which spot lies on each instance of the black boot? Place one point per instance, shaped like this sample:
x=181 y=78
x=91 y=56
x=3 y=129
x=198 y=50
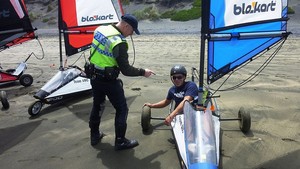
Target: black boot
x=124 y=143
x=96 y=137
x=95 y=134
x=121 y=142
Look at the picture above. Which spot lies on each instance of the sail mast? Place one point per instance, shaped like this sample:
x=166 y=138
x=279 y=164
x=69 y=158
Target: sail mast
x=204 y=31
x=60 y=29
x=120 y=7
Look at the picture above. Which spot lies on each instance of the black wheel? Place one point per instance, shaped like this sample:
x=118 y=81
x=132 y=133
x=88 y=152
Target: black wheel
x=35 y=108
x=26 y=80
x=4 y=101
x=245 y=120
x=220 y=166
x=146 y=117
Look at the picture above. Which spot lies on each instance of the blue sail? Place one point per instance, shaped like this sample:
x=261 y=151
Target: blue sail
x=240 y=30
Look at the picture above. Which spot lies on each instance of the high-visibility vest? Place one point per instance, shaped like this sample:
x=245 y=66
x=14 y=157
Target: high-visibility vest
x=105 y=39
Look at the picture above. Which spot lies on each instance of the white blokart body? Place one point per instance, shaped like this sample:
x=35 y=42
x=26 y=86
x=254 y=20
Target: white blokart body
x=197 y=135
x=64 y=84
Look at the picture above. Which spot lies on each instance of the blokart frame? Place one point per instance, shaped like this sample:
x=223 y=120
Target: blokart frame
x=243 y=118
x=17 y=74
x=65 y=84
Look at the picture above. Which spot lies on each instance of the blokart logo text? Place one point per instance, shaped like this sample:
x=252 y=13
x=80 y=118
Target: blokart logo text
x=254 y=7
x=97 y=18
x=4 y=13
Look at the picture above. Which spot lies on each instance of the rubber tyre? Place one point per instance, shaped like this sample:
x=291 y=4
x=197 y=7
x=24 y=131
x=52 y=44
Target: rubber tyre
x=245 y=122
x=4 y=101
x=35 y=108
x=220 y=166
x=146 y=118
x=26 y=80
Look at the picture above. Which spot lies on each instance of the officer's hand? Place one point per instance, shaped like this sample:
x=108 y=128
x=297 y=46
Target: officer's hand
x=148 y=73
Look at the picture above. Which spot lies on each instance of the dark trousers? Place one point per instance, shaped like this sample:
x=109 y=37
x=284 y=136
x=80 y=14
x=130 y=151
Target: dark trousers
x=115 y=93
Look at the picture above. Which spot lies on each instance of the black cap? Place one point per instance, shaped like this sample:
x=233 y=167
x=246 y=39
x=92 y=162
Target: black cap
x=132 y=21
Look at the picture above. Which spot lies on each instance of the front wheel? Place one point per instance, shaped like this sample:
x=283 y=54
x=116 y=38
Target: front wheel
x=35 y=108
x=146 y=117
x=26 y=80
x=4 y=101
x=245 y=120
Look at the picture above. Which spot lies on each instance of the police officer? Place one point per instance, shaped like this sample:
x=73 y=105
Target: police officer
x=109 y=57
x=180 y=92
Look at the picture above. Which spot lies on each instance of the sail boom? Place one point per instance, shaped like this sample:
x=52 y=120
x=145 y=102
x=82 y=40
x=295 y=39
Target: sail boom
x=262 y=35
x=216 y=37
x=78 y=32
x=11 y=31
x=214 y=30
x=248 y=35
x=16 y=31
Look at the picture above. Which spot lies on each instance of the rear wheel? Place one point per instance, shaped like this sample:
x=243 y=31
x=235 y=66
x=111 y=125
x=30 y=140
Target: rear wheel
x=35 y=108
x=4 y=101
x=26 y=80
x=146 y=117
x=220 y=166
x=245 y=120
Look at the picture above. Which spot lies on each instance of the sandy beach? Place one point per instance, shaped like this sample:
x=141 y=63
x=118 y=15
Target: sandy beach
x=59 y=136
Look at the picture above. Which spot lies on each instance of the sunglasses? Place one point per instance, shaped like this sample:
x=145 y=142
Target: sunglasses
x=177 y=77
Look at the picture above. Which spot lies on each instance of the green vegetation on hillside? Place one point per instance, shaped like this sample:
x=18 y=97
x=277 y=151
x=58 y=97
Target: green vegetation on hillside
x=152 y=13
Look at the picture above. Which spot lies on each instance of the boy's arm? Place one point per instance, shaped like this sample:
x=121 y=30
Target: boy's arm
x=178 y=109
x=159 y=104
